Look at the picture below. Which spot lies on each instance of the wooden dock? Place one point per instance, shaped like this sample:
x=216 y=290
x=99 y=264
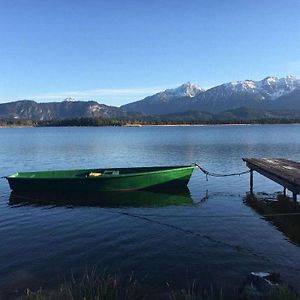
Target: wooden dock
x=282 y=171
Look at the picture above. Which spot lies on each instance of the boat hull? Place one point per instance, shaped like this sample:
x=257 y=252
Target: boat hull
x=157 y=178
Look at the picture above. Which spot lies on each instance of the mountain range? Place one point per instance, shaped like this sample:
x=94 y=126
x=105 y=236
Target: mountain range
x=271 y=96
x=269 y=93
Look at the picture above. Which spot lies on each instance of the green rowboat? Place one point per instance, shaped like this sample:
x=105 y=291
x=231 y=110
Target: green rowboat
x=102 y=180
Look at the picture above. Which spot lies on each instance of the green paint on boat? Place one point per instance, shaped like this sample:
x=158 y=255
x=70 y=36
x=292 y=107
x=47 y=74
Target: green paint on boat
x=101 y=180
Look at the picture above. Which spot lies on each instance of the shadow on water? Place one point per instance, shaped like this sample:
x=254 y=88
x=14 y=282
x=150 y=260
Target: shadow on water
x=103 y=199
x=282 y=212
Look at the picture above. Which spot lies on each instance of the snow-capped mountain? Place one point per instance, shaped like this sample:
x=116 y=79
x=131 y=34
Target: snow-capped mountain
x=185 y=90
x=167 y=101
x=247 y=93
x=269 y=88
x=188 y=89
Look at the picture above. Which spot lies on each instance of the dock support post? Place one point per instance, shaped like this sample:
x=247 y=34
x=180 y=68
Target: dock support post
x=251 y=181
x=284 y=191
x=294 y=196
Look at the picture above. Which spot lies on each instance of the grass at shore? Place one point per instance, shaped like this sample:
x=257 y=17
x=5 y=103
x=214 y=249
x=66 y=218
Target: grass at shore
x=90 y=286
x=110 y=287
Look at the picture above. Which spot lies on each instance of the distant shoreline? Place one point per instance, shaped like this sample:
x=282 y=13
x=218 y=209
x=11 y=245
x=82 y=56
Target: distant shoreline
x=150 y=125
x=12 y=126
x=200 y=125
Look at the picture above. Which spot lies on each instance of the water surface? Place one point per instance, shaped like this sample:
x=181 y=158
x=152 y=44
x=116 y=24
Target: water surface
x=209 y=232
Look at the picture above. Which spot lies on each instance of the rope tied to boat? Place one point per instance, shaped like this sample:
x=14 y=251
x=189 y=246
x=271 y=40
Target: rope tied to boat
x=213 y=174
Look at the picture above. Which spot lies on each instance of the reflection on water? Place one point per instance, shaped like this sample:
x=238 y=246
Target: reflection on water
x=163 y=237
x=282 y=212
x=104 y=199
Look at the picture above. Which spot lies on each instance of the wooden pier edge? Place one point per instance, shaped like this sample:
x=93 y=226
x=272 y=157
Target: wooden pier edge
x=282 y=171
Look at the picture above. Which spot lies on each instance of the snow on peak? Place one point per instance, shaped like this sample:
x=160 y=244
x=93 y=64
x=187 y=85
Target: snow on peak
x=185 y=90
x=291 y=77
x=241 y=86
x=188 y=89
x=269 y=87
x=270 y=80
x=288 y=80
x=70 y=99
x=276 y=87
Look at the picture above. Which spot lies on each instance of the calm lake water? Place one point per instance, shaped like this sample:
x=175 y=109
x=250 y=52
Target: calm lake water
x=210 y=233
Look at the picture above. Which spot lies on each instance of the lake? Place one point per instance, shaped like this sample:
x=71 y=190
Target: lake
x=211 y=232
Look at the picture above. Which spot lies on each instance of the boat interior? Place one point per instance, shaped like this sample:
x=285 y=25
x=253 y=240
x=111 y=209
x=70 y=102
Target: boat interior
x=93 y=173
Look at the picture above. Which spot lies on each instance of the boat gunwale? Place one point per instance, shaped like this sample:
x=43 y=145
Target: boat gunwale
x=174 y=168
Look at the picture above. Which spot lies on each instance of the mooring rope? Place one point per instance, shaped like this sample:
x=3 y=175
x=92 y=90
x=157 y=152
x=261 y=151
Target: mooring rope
x=208 y=173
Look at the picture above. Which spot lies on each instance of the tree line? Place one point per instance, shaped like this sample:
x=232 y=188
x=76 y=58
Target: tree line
x=95 y=122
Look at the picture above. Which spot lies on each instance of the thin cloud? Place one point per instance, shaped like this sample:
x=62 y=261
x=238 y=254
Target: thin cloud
x=98 y=93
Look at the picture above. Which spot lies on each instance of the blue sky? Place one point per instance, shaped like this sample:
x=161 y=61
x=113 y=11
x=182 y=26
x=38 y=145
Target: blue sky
x=119 y=51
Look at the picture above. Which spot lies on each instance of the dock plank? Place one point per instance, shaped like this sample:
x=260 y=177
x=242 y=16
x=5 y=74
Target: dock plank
x=283 y=171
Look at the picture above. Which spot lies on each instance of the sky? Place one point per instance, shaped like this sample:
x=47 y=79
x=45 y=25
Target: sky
x=116 y=52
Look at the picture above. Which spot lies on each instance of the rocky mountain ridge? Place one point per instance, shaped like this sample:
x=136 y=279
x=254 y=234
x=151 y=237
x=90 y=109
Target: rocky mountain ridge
x=28 y=109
